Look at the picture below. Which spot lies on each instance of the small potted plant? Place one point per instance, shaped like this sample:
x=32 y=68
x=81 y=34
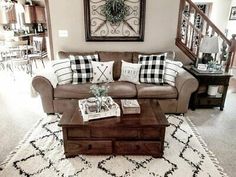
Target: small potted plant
x=99 y=92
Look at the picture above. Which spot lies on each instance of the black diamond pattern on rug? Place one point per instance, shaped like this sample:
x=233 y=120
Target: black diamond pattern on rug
x=188 y=151
x=22 y=165
x=43 y=155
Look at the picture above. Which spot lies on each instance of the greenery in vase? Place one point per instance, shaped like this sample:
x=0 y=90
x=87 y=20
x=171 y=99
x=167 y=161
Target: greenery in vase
x=213 y=65
x=99 y=91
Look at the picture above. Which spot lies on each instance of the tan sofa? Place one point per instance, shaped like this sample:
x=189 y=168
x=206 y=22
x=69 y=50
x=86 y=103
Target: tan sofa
x=171 y=99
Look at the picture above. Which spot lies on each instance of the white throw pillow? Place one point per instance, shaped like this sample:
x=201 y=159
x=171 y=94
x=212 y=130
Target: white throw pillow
x=63 y=71
x=102 y=72
x=130 y=72
x=172 y=69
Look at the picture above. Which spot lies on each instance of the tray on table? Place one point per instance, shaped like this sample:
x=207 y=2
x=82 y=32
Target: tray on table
x=112 y=110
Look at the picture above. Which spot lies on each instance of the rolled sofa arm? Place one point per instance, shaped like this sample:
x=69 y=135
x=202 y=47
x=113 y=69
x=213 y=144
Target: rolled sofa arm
x=44 y=87
x=186 y=84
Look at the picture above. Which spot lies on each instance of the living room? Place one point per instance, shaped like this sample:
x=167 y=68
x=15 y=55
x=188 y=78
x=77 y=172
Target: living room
x=69 y=30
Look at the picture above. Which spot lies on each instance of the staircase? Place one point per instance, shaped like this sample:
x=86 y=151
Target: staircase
x=193 y=25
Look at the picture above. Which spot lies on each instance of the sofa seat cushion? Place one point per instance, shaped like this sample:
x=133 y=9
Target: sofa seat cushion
x=80 y=91
x=69 y=91
x=122 y=89
x=156 y=91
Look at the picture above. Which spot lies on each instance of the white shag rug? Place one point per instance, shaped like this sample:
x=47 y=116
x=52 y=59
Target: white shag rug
x=40 y=154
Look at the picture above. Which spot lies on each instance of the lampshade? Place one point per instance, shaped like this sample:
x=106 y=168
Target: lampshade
x=209 y=44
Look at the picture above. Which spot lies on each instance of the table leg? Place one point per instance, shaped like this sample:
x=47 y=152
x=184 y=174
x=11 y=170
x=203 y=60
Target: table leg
x=223 y=97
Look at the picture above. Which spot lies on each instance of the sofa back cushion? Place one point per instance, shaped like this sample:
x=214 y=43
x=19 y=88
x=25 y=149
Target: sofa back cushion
x=117 y=57
x=63 y=54
x=170 y=55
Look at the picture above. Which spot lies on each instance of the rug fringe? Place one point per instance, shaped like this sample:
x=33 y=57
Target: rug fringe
x=205 y=147
x=26 y=137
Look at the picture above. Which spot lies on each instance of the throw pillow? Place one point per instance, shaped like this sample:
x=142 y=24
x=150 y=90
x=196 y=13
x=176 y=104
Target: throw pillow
x=130 y=72
x=152 y=69
x=172 y=69
x=82 y=68
x=102 y=72
x=62 y=70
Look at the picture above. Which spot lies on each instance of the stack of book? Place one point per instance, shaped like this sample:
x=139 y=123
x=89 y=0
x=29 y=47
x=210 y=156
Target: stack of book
x=130 y=107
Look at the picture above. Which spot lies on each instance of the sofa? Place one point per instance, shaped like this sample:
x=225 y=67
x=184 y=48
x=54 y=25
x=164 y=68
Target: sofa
x=171 y=99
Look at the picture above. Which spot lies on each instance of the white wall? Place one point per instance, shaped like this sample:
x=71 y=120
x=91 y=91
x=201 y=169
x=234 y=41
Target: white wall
x=232 y=23
x=220 y=11
x=160 y=31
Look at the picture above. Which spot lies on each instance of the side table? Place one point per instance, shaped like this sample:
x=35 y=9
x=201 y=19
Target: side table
x=203 y=100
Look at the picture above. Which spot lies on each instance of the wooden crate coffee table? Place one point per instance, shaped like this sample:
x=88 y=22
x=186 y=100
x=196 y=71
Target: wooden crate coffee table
x=140 y=134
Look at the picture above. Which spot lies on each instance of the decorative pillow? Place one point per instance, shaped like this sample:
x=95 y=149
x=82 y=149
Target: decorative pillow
x=130 y=72
x=82 y=68
x=62 y=70
x=152 y=69
x=102 y=72
x=172 y=69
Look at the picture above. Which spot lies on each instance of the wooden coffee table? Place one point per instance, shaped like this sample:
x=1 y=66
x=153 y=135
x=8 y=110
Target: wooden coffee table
x=136 y=134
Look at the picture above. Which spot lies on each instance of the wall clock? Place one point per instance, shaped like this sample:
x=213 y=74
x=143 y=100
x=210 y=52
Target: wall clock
x=114 y=20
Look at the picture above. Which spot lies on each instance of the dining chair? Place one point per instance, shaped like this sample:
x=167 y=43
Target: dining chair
x=37 y=52
x=2 y=50
x=2 y=66
x=17 y=56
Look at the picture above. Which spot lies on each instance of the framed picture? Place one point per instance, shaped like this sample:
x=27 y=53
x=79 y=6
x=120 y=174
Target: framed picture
x=114 y=20
x=233 y=13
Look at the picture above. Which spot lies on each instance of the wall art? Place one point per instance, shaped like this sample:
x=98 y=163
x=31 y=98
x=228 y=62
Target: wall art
x=233 y=13
x=114 y=20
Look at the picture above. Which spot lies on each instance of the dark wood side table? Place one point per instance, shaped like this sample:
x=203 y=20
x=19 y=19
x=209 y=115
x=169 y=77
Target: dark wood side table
x=203 y=100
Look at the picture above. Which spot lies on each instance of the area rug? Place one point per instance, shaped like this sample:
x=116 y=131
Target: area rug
x=41 y=155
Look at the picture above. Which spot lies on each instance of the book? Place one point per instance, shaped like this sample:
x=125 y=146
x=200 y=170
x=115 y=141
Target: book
x=130 y=107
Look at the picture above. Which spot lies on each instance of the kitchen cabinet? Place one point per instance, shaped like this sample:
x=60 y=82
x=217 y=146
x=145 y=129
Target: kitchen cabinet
x=34 y=14
x=40 y=14
x=8 y=17
x=30 y=16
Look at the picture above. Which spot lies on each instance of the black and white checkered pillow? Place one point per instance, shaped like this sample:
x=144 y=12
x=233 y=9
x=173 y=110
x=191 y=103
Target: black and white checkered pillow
x=152 y=69
x=82 y=68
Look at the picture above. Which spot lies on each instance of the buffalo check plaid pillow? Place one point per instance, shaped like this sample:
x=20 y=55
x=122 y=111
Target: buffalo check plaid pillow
x=82 y=68
x=152 y=69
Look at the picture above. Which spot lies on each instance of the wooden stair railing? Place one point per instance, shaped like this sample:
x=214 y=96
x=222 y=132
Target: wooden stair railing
x=193 y=25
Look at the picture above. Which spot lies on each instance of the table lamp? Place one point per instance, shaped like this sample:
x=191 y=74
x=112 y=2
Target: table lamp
x=208 y=46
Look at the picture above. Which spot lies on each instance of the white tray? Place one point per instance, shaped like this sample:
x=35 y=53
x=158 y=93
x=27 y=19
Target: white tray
x=114 y=111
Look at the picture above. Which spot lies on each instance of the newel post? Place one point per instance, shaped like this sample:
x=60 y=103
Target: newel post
x=232 y=51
